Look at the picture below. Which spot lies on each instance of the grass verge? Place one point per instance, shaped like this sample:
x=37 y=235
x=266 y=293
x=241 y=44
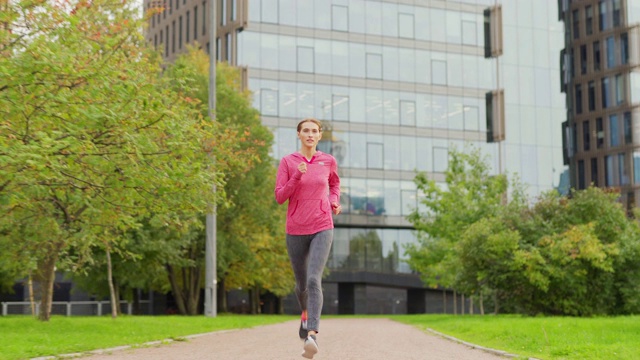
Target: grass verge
x=541 y=337
x=23 y=337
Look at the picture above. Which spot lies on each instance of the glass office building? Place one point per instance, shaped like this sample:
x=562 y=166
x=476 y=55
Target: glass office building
x=601 y=78
x=397 y=84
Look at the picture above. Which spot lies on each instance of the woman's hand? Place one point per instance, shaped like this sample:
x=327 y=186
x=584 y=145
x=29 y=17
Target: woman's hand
x=337 y=209
x=302 y=167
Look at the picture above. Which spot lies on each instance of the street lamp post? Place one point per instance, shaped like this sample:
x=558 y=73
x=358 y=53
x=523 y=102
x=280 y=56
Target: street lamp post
x=210 y=291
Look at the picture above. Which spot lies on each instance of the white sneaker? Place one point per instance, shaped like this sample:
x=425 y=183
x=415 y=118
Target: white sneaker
x=310 y=347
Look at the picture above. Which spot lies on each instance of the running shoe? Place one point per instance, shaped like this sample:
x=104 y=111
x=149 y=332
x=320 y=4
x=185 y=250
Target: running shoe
x=303 y=332
x=310 y=347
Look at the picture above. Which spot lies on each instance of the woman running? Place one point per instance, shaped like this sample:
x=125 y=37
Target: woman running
x=309 y=180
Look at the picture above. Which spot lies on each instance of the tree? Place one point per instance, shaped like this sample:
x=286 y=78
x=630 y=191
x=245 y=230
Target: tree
x=470 y=194
x=93 y=139
x=251 y=250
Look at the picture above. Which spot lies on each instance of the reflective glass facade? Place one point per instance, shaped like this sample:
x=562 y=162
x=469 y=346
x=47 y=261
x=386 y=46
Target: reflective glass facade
x=601 y=55
x=398 y=83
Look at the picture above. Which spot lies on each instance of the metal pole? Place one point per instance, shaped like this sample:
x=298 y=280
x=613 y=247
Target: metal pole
x=210 y=295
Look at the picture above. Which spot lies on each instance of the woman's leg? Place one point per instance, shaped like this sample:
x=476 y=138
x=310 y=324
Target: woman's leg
x=318 y=254
x=298 y=249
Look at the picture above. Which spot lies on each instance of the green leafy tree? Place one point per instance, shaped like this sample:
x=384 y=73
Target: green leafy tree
x=469 y=194
x=578 y=254
x=250 y=225
x=93 y=139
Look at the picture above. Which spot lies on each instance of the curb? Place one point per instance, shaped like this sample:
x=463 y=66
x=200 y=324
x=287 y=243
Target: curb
x=126 y=347
x=474 y=346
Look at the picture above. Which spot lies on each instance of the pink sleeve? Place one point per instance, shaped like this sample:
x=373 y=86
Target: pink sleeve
x=334 y=183
x=285 y=184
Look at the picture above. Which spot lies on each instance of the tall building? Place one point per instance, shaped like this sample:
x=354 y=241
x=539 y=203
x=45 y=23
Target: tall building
x=601 y=78
x=397 y=83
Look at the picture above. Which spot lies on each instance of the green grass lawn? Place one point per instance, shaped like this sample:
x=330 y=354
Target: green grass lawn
x=541 y=337
x=23 y=337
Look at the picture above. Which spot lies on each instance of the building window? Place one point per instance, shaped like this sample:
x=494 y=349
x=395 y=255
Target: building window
x=173 y=37
x=581 y=179
x=608 y=170
x=187 y=27
x=375 y=155
x=170 y=7
x=614 y=131
x=269 y=11
x=576 y=24
x=269 y=102
x=407 y=113
x=155 y=39
x=624 y=48
x=339 y=18
x=439 y=72
x=583 y=59
x=620 y=89
x=469 y=33
x=218 y=48
x=179 y=30
x=591 y=95
x=177 y=4
x=596 y=56
x=340 y=107
x=440 y=159
x=616 y=12
x=599 y=133
x=611 y=52
x=406 y=24
x=578 y=99
x=628 y=133
x=594 y=171
x=166 y=44
x=636 y=167
x=374 y=66
x=195 y=22
x=589 y=22
x=622 y=169
x=586 y=136
x=204 y=17
x=223 y=12
x=305 y=59
x=605 y=90
x=234 y=10
x=603 y=15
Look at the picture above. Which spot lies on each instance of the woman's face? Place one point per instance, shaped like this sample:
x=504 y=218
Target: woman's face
x=309 y=134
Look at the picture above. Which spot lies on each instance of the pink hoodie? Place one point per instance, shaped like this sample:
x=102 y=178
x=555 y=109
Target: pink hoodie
x=310 y=194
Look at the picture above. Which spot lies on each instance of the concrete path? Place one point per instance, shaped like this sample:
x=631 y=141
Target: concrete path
x=340 y=339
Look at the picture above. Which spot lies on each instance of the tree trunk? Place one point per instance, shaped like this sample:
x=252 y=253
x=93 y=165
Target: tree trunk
x=193 y=274
x=254 y=296
x=280 y=305
x=46 y=277
x=176 y=290
x=455 y=302
x=481 y=304
x=470 y=305
x=222 y=297
x=31 y=299
x=444 y=301
x=112 y=292
x=463 y=305
x=496 y=306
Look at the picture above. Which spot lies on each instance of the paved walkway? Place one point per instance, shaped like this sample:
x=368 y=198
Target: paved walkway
x=340 y=339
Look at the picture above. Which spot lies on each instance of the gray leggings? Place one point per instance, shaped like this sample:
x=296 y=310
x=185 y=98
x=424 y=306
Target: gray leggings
x=308 y=255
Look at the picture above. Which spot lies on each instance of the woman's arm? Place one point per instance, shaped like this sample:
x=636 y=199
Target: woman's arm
x=334 y=183
x=285 y=184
